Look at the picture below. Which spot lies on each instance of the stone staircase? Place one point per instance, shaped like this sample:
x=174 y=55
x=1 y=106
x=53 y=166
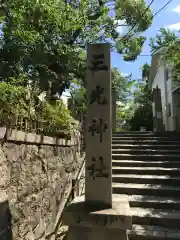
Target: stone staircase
x=146 y=167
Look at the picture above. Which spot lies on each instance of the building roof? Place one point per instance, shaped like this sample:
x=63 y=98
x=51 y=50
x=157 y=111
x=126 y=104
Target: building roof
x=155 y=61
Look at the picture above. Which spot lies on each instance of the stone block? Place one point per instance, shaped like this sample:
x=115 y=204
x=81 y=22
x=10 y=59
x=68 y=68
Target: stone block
x=114 y=110
x=31 y=137
x=40 y=229
x=30 y=235
x=98 y=125
x=79 y=213
x=53 y=237
x=16 y=135
x=2 y=132
x=82 y=233
x=36 y=176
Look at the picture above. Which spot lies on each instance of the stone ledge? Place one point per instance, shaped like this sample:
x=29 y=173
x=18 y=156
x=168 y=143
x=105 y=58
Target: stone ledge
x=33 y=138
x=79 y=213
x=3 y=197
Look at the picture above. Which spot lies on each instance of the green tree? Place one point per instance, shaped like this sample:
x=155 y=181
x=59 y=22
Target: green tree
x=122 y=85
x=164 y=38
x=142 y=116
x=140 y=111
x=13 y=101
x=46 y=39
x=43 y=46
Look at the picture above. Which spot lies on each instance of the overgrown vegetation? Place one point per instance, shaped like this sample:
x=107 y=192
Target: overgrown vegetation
x=142 y=115
x=42 y=51
x=137 y=112
x=122 y=85
x=18 y=109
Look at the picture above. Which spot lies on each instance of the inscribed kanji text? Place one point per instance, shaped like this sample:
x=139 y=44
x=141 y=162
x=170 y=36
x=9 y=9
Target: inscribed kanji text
x=97 y=169
x=96 y=95
x=98 y=63
x=98 y=128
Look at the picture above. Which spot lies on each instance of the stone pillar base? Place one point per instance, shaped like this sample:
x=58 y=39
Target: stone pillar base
x=86 y=233
x=86 y=221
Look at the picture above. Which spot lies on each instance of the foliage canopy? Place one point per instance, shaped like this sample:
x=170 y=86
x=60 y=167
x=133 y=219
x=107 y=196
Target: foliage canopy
x=43 y=43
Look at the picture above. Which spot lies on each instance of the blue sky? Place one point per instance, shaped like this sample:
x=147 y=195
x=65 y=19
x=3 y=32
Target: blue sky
x=169 y=18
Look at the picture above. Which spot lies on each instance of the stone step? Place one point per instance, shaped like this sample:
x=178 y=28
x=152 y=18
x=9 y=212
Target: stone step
x=131 y=163
x=156 y=217
x=146 y=146
x=133 y=132
x=146 y=189
x=170 y=133
x=146 y=135
x=167 y=133
x=142 y=142
x=146 y=138
x=146 y=167
x=138 y=135
x=154 y=202
x=146 y=151
x=146 y=157
x=144 y=232
x=146 y=179
x=146 y=171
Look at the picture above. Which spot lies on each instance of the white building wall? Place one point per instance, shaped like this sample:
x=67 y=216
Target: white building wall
x=170 y=105
x=159 y=81
x=176 y=109
x=166 y=96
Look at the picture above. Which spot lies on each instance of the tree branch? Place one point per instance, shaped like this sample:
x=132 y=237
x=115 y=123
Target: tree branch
x=122 y=25
x=93 y=17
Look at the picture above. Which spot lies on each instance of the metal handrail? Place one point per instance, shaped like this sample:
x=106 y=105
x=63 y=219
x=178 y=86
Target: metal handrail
x=76 y=181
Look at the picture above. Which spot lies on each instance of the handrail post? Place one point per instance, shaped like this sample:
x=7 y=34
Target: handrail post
x=77 y=187
x=73 y=188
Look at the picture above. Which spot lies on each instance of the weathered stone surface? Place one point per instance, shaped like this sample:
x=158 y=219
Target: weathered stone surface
x=81 y=233
x=53 y=237
x=20 y=136
x=40 y=229
x=158 y=118
x=113 y=109
x=30 y=235
x=87 y=222
x=98 y=179
x=79 y=213
x=34 y=178
x=2 y=132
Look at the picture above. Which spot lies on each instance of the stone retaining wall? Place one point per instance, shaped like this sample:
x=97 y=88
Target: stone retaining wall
x=34 y=178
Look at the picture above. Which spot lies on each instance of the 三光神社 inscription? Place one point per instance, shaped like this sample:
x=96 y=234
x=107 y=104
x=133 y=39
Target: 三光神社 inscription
x=97 y=169
x=98 y=126
x=100 y=220
x=97 y=63
x=97 y=95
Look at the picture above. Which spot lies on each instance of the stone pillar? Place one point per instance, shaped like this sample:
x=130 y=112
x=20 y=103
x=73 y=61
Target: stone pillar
x=158 y=118
x=113 y=110
x=98 y=126
x=98 y=215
